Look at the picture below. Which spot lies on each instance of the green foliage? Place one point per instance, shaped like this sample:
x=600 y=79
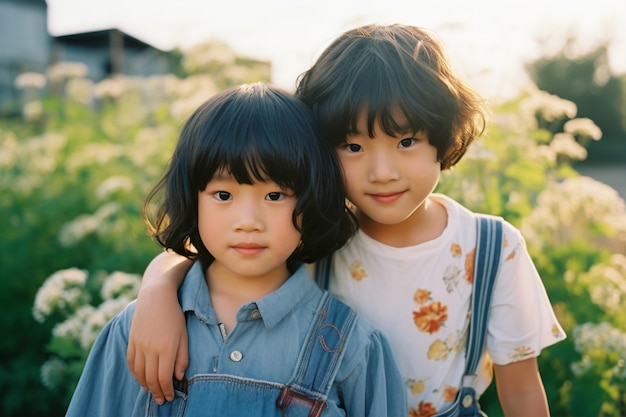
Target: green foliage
x=600 y=95
x=77 y=161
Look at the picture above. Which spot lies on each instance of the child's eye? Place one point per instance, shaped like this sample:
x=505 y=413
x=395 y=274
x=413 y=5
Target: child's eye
x=275 y=196
x=353 y=147
x=405 y=143
x=222 y=195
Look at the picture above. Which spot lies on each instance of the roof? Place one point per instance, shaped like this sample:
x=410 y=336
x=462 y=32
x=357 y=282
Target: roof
x=101 y=38
x=41 y=3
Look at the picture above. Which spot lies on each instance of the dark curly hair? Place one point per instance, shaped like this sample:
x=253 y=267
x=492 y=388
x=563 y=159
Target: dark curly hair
x=380 y=69
x=255 y=132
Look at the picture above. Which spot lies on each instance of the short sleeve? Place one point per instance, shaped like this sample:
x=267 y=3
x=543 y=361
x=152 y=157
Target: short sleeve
x=373 y=386
x=106 y=386
x=521 y=321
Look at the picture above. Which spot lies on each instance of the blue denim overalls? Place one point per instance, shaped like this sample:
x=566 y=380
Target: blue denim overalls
x=305 y=394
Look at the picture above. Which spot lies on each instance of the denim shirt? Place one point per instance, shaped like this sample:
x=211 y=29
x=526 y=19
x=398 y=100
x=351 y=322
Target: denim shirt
x=263 y=346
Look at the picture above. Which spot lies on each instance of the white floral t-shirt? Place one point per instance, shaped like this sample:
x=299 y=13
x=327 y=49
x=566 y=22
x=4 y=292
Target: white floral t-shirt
x=419 y=297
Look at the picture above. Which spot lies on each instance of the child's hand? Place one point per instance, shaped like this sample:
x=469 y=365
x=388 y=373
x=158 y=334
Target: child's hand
x=157 y=343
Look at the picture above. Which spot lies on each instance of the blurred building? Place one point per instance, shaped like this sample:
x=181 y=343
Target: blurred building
x=27 y=46
x=108 y=52
x=25 y=43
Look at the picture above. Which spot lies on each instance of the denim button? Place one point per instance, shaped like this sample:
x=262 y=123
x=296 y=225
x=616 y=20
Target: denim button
x=467 y=401
x=235 y=356
x=255 y=314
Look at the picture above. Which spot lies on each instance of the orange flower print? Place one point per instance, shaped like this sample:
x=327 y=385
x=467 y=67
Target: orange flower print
x=455 y=250
x=424 y=409
x=417 y=387
x=449 y=393
x=511 y=256
x=357 y=271
x=421 y=296
x=521 y=352
x=438 y=351
x=469 y=266
x=431 y=317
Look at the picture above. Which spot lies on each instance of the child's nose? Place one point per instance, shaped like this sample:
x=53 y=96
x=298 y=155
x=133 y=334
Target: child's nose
x=248 y=217
x=382 y=168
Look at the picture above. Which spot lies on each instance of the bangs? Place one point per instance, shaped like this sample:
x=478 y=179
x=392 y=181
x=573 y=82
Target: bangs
x=398 y=101
x=382 y=99
x=249 y=150
x=254 y=136
x=249 y=157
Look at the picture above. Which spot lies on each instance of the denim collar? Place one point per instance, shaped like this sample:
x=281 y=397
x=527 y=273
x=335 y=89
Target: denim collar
x=194 y=297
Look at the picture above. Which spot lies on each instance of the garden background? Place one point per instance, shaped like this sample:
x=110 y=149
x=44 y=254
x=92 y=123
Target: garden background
x=78 y=158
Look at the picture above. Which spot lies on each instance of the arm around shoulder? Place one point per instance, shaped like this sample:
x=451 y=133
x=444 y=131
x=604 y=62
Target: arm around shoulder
x=156 y=353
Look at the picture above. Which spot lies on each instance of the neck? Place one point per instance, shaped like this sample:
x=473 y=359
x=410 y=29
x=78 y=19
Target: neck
x=229 y=291
x=426 y=223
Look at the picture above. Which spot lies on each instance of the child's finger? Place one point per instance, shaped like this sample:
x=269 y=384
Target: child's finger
x=152 y=379
x=182 y=358
x=136 y=362
x=166 y=383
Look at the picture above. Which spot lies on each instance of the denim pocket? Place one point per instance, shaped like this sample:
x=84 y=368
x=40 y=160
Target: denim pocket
x=174 y=408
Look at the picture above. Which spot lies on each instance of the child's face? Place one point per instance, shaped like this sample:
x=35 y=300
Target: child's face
x=247 y=228
x=388 y=178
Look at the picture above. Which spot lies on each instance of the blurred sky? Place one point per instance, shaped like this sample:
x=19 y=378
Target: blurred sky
x=487 y=40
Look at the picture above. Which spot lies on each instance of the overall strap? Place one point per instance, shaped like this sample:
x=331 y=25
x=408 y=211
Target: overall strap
x=320 y=356
x=322 y=271
x=487 y=262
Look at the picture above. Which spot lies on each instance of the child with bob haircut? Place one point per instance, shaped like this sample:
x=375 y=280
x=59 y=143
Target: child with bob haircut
x=250 y=194
x=386 y=99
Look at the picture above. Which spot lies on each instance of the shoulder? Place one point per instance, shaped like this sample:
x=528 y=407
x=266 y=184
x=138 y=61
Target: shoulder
x=365 y=344
x=468 y=219
x=119 y=325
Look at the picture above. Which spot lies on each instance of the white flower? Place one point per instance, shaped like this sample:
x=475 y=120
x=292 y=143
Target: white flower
x=66 y=70
x=583 y=127
x=32 y=110
x=30 y=80
x=72 y=327
x=208 y=56
x=80 y=90
x=578 y=208
x=565 y=144
x=53 y=372
x=76 y=230
x=98 y=318
x=549 y=107
x=608 y=284
x=120 y=284
x=111 y=87
x=61 y=292
x=113 y=184
x=86 y=224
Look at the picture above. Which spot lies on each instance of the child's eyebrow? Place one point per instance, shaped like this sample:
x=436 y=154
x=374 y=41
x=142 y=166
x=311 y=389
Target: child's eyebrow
x=221 y=176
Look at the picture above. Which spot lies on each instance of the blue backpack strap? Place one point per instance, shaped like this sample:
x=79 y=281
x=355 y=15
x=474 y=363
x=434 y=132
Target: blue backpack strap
x=320 y=357
x=487 y=262
x=322 y=272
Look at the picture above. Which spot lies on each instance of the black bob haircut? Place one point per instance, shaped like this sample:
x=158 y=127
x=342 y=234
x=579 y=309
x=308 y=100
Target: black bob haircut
x=379 y=70
x=255 y=132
